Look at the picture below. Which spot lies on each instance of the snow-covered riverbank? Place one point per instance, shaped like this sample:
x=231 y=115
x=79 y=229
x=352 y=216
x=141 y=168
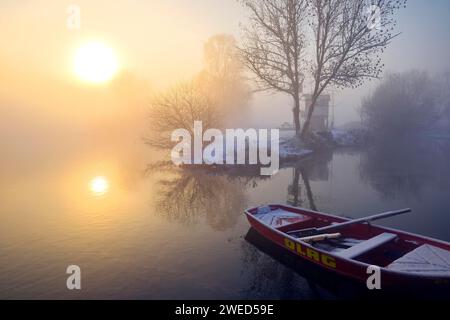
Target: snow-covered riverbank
x=292 y=148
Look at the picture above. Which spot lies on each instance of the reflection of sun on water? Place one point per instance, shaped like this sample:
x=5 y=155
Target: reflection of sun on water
x=99 y=186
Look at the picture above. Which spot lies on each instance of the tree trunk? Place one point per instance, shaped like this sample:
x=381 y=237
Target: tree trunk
x=296 y=114
x=306 y=125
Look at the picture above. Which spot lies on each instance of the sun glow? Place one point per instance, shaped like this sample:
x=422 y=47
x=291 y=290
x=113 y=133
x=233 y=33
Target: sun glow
x=99 y=185
x=95 y=63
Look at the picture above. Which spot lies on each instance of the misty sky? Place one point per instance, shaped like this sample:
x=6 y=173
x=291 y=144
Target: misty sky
x=161 y=42
x=424 y=44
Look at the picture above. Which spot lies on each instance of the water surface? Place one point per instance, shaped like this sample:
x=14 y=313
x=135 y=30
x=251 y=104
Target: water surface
x=163 y=233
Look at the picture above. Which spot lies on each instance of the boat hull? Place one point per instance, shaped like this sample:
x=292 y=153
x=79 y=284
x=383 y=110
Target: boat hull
x=348 y=268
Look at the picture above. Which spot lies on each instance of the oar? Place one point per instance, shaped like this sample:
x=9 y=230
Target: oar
x=320 y=237
x=314 y=231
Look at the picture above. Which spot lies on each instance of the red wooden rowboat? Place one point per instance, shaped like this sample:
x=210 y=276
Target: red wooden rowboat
x=404 y=259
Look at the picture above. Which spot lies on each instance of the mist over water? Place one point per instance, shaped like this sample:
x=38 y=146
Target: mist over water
x=79 y=183
x=163 y=232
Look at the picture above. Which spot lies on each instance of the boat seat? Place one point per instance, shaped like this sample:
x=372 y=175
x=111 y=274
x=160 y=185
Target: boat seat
x=424 y=260
x=366 y=245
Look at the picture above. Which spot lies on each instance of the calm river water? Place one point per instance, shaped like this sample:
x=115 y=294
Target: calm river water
x=181 y=234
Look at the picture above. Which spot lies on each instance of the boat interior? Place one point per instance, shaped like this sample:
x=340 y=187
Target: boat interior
x=362 y=242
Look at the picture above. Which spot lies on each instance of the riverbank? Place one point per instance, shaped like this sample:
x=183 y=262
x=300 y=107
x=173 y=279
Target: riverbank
x=293 y=148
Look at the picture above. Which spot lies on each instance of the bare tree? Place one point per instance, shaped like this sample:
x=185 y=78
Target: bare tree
x=348 y=37
x=177 y=108
x=220 y=58
x=212 y=96
x=273 y=47
x=222 y=77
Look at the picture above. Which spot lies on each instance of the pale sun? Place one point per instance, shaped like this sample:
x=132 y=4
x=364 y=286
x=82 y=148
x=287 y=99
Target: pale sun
x=95 y=62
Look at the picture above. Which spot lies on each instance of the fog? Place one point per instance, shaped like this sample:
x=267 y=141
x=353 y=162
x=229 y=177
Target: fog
x=175 y=232
x=43 y=108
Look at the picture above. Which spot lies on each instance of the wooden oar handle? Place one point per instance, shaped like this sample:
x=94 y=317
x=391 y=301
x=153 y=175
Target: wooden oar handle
x=320 y=237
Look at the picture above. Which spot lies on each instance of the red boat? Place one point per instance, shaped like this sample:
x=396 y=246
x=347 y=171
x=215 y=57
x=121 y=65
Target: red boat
x=404 y=259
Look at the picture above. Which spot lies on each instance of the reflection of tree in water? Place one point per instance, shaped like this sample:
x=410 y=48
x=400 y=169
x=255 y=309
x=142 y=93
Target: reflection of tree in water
x=189 y=194
x=300 y=189
x=406 y=168
x=295 y=195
